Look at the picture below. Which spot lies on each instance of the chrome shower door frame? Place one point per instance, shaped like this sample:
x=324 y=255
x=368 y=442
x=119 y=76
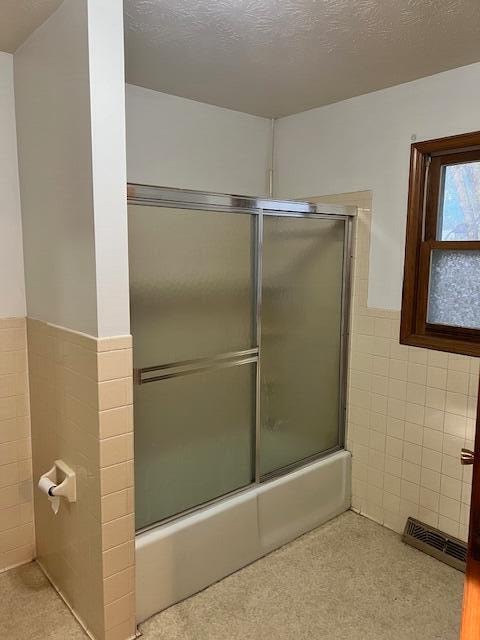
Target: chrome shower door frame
x=146 y=195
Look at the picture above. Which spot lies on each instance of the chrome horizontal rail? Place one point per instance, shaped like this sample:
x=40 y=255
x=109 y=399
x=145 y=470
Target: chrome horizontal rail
x=199 y=365
x=186 y=198
x=201 y=369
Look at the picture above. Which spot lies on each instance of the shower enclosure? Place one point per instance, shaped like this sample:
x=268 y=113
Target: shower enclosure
x=239 y=313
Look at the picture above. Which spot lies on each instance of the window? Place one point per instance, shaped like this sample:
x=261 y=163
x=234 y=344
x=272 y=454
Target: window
x=441 y=287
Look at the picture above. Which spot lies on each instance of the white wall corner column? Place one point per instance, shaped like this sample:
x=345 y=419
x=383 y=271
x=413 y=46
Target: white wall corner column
x=109 y=174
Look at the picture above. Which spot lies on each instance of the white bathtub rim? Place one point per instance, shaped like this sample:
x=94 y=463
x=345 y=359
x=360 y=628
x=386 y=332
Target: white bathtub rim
x=158 y=531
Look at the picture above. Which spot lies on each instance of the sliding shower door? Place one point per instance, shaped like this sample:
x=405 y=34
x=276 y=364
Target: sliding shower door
x=238 y=323
x=303 y=265
x=192 y=297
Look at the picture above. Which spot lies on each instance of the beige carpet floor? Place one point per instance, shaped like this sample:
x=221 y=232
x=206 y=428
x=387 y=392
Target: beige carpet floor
x=31 y=610
x=348 y=580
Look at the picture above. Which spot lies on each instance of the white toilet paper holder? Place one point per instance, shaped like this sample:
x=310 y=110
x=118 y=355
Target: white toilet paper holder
x=67 y=487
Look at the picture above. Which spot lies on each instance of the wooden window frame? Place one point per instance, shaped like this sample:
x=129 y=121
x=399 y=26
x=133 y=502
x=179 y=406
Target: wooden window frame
x=426 y=162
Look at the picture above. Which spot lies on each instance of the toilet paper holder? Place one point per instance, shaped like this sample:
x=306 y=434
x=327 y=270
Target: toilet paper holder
x=65 y=480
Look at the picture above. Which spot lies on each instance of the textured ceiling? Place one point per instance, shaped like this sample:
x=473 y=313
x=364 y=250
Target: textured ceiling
x=19 y=18
x=277 y=57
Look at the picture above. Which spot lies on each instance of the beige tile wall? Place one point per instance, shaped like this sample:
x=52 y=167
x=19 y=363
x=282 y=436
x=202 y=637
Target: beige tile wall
x=410 y=411
x=16 y=513
x=114 y=371
x=81 y=406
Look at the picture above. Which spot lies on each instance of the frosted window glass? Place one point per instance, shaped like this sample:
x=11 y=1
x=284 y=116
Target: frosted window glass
x=301 y=334
x=194 y=439
x=460 y=206
x=190 y=283
x=454 y=295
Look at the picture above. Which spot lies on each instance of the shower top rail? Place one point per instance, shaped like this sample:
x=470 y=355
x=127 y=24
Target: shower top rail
x=186 y=198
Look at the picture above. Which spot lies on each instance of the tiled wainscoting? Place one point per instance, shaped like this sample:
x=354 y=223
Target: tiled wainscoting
x=410 y=411
x=16 y=514
x=81 y=407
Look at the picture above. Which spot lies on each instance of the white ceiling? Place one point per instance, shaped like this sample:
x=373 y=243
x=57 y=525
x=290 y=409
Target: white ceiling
x=277 y=57
x=19 y=18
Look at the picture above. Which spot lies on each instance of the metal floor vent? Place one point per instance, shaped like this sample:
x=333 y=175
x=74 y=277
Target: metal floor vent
x=445 y=548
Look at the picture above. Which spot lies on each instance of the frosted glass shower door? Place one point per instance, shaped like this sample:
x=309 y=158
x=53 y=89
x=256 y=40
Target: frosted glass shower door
x=302 y=289
x=237 y=318
x=192 y=299
x=190 y=283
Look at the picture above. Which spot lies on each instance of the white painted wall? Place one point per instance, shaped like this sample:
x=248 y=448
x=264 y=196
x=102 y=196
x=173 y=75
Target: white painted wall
x=364 y=143
x=54 y=145
x=107 y=112
x=174 y=142
x=69 y=101
x=12 y=287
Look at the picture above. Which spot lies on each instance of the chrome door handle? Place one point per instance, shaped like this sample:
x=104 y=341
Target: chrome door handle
x=467 y=456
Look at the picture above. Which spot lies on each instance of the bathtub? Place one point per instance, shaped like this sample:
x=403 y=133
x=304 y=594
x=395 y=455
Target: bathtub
x=180 y=558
